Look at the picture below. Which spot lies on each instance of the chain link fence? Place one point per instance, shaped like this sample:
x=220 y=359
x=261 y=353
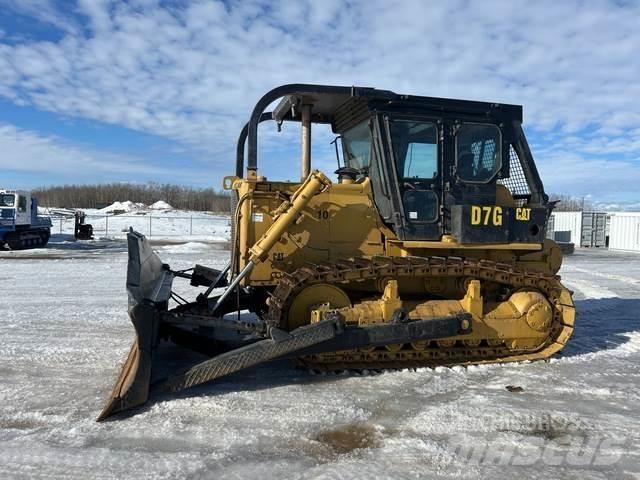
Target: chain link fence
x=203 y=225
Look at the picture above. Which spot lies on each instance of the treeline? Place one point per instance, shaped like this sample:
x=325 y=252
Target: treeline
x=184 y=198
x=102 y=195
x=567 y=203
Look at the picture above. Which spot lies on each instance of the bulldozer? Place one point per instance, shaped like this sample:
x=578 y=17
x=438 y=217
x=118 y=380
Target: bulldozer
x=427 y=249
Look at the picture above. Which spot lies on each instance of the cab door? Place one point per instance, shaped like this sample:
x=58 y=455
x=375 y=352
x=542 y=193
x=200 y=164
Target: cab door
x=415 y=151
x=23 y=210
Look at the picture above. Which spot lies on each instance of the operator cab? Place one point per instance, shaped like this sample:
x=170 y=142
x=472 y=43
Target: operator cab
x=428 y=172
x=437 y=166
x=16 y=206
x=7 y=208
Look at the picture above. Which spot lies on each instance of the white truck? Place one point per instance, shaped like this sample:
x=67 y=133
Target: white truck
x=20 y=225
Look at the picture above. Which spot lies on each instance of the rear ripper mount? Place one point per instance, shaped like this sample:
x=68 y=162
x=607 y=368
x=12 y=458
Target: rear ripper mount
x=149 y=284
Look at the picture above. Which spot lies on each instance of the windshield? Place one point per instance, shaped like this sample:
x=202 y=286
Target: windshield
x=7 y=200
x=479 y=152
x=356 y=145
x=415 y=147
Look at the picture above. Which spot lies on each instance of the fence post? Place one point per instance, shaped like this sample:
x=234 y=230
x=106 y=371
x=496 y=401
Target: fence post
x=106 y=227
x=149 y=224
x=60 y=225
x=191 y=225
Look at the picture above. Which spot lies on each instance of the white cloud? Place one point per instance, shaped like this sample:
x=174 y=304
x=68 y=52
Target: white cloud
x=28 y=151
x=599 y=178
x=630 y=206
x=192 y=72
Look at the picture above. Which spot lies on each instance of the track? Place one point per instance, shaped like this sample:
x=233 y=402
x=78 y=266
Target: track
x=432 y=353
x=23 y=240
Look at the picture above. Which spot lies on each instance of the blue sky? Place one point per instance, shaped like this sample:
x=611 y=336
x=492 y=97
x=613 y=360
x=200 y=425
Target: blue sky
x=97 y=91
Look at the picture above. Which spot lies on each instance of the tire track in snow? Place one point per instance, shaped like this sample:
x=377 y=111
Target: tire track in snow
x=609 y=276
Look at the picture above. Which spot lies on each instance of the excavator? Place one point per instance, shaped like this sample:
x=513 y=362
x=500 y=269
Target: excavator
x=428 y=248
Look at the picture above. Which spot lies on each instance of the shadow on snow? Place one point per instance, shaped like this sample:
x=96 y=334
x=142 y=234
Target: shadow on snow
x=602 y=324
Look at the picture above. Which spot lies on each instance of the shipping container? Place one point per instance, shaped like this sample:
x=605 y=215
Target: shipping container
x=624 y=231
x=594 y=225
x=549 y=228
x=585 y=229
x=568 y=222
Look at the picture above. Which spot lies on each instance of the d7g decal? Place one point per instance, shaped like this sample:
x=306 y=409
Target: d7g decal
x=492 y=215
x=497 y=224
x=486 y=215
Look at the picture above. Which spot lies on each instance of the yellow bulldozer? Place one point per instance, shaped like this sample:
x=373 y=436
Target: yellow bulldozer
x=429 y=249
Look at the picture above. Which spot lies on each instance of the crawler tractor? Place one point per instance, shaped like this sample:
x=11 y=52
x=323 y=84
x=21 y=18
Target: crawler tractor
x=428 y=250
x=20 y=226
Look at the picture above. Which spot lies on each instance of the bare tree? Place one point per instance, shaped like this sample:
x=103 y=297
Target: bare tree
x=102 y=195
x=567 y=203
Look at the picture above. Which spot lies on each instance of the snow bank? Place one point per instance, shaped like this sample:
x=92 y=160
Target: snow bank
x=189 y=247
x=126 y=207
x=160 y=205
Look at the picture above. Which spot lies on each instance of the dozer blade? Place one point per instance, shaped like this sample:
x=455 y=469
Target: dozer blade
x=149 y=289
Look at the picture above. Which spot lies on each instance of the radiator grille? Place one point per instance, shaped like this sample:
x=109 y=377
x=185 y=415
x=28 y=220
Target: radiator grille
x=516 y=182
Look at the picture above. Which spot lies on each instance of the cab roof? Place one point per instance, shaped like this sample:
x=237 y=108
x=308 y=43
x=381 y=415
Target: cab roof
x=330 y=103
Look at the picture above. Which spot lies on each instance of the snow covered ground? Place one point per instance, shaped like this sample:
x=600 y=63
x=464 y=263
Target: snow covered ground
x=65 y=331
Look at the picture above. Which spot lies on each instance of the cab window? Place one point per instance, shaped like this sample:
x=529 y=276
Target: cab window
x=359 y=154
x=415 y=146
x=415 y=150
x=22 y=203
x=478 y=152
x=7 y=200
x=356 y=146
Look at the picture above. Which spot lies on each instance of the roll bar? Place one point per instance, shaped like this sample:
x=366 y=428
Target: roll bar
x=270 y=97
x=242 y=140
x=299 y=89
